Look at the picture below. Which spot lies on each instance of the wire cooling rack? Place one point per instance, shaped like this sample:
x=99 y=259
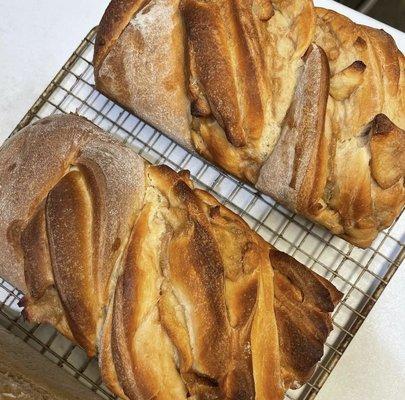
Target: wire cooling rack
x=361 y=275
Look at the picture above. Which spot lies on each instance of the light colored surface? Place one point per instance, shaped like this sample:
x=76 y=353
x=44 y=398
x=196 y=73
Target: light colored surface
x=36 y=38
x=373 y=367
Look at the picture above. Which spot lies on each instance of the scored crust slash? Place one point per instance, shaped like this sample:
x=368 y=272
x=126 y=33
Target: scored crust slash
x=177 y=296
x=299 y=101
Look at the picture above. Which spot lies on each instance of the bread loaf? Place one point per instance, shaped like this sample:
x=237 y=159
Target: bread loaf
x=27 y=375
x=283 y=95
x=176 y=294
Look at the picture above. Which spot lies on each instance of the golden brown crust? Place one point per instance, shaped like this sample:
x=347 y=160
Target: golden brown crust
x=387 y=147
x=177 y=295
x=69 y=222
x=114 y=20
x=296 y=170
x=238 y=65
x=28 y=193
x=37 y=262
x=387 y=168
x=345 y=82
x=362 y=61
x=44 y=303
x=301 y=326
x=105 y=356
x=340 y=189
x=391 y=68
x=59 y=149
x=235 y=71
x=229 y=77
x=158 y=55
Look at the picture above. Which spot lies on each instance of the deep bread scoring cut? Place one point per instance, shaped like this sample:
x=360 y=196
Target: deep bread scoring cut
x=176 y=294
x=301 y=151
x=224 y=78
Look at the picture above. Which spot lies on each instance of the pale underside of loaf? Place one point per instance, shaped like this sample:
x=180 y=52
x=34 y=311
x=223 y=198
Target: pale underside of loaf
x=245 y=93
x=175 y=293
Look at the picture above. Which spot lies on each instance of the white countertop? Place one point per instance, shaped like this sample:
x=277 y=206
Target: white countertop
x=37 y=37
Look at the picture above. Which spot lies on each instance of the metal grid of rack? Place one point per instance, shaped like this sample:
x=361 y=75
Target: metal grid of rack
x=360 y=274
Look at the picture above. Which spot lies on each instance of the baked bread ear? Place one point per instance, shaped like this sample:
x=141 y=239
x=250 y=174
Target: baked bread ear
x=175 y=293
x=231 y=81
x=296 y=170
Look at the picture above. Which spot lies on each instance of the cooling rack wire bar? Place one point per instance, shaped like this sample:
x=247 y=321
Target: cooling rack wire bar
x=361 y=275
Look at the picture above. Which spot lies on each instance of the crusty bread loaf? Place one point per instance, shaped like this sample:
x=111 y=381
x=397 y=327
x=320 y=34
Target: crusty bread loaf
x=25 y=374
x=175 y=293
x=283 y=95
x=128 y=44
